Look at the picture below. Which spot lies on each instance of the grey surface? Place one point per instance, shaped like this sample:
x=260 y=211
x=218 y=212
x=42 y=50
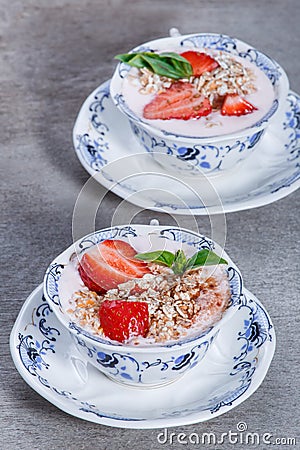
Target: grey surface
x=53 y=54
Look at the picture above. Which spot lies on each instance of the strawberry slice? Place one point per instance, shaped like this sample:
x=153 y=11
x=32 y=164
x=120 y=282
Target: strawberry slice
x=200 y=62
x=89 y=282
x=121 y=320
x=179 y=101
x=108 y=264
x=235 y=105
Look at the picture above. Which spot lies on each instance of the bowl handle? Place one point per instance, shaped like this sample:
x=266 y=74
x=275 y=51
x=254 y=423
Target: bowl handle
x=174 y=32
x=154 y=223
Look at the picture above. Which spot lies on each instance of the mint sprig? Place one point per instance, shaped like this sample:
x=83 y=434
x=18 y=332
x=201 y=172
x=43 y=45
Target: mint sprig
x=160 y=256
x=178 y=261
x=167 y=64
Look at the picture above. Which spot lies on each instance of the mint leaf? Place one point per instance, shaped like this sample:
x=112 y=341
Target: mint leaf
x=179 y=264
x=173 y=55
x=160 y=257
x=162 y=67
x=178 y=261
x=168 y=64
x=137 y=61
x=204 y=257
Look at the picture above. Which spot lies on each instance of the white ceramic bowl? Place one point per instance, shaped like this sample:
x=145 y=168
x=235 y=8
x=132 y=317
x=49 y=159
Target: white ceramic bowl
x=195 y=153
x=143 y=364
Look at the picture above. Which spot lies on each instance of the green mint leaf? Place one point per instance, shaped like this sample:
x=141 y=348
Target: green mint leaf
x=160 y=257
x=133 y=59
x=179 y=264
x=162 y=67
x=179 y=66
x=204 y=257
x=125 y=57
x=167 y=64
x=179 y=63
x=173 y=55
x=178 y=261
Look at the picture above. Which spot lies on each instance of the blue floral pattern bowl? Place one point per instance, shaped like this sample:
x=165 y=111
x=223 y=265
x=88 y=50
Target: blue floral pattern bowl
x=141 y=365
x=199 y=154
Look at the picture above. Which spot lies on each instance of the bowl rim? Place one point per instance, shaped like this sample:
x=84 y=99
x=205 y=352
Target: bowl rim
x=63 y=259
x=282 y=88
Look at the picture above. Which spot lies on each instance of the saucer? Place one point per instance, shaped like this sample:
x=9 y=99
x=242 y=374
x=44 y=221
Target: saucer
x=109 y=151
x=235 y=366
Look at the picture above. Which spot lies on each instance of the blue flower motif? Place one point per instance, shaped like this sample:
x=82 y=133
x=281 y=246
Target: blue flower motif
x=205 y=165
x=126 y=376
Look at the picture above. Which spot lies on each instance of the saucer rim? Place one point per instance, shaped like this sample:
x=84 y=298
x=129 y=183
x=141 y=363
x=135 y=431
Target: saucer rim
x=257 y=379
x=117 y=189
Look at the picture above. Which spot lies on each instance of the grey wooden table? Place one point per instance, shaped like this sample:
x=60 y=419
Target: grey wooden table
x=53 y=54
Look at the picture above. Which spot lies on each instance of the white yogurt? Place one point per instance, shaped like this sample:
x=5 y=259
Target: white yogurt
x=214 y=124
x=213 y=302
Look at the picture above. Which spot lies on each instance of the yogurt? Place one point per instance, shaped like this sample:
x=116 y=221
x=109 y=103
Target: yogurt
x=179 y=306
x=261 y=95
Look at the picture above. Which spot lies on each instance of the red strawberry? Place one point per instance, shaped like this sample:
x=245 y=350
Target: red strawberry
x=179 y=101
x=200 y=62
x=234 y=105
x=108 y=264
x=89 y=282
x=122 y=320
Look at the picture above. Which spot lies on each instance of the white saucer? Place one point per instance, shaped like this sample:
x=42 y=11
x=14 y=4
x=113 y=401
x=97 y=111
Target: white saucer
x=108 y=150
x=237 y=363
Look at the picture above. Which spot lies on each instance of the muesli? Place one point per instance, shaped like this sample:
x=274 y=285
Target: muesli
x=213 y=88
x=154 y=297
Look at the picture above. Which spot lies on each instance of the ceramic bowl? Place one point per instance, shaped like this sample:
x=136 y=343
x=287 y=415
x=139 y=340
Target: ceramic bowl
x=196 y=153
x=143 y=364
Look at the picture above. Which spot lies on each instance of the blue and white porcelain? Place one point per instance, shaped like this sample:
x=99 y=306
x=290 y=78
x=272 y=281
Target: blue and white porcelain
x=107 y=149
x=198 y=154
x=143 y=364
x=236 y=364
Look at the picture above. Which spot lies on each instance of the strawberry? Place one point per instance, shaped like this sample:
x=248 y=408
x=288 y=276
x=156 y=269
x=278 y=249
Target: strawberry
x=200 y=62
x=108 y=264
x=234 y=105
x=88 y=281
x=179 y=101
x=121 y=320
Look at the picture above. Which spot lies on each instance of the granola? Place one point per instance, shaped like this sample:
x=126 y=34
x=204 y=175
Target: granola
x=231 y=77
x=178 y=305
